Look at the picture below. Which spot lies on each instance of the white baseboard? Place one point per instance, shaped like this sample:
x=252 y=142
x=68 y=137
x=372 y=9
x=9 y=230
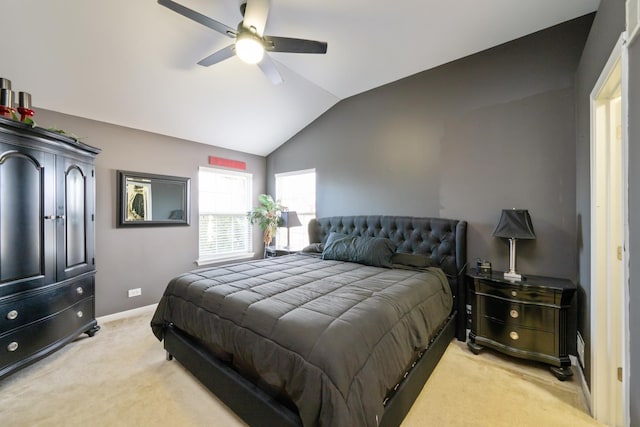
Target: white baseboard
x=586 y=393
x=123 y=314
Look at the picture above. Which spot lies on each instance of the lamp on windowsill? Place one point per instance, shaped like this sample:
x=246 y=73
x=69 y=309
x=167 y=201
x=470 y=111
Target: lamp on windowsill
x=289 y=219
x=514 y=224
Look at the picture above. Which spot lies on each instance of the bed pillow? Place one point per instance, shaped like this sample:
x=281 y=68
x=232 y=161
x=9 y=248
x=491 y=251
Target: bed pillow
x=374 y=251
x=314 y=248
x=412 y=260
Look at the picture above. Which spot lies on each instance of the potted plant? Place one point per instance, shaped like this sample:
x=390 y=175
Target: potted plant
x=267 y=215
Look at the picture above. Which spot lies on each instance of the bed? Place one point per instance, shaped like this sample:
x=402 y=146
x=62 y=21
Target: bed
x=346 y=333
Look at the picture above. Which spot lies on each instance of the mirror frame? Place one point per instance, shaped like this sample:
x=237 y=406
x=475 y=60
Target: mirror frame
x=150 y=178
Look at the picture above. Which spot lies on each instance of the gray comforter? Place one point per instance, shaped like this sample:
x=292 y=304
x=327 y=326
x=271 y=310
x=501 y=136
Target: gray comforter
x=334 y=336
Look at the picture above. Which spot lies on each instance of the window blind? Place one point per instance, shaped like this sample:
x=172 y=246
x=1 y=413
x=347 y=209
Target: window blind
x=224 y=200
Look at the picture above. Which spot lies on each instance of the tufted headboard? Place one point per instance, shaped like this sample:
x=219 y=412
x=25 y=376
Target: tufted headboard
x=443 y=240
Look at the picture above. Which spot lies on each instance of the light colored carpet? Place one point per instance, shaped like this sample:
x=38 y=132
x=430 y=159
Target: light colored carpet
x=120 y=378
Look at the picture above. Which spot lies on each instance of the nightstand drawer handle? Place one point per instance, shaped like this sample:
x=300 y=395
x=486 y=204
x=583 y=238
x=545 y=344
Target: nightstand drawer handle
x=79 y=290
x=514 y=293
x=12 y=315
x=514 y=335
x=514 y=314
x=13 y=346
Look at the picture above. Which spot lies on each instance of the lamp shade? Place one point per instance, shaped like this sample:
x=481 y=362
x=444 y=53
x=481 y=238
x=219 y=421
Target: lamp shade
x=290 y=219
x=515 y=224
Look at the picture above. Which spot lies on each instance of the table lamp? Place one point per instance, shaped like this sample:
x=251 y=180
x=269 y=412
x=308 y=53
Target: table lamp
x=514 y=224
x=289 y=219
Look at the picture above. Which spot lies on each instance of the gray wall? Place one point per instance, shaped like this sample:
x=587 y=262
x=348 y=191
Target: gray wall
x=144 y=258
x=491 y=131
x=607 y=27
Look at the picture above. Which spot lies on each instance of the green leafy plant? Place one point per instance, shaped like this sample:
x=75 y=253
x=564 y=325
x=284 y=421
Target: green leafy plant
x=29 y=121
x=267 y=215
x=62 y=132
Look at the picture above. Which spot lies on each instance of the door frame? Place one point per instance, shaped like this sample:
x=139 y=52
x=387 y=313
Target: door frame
x=603 y=363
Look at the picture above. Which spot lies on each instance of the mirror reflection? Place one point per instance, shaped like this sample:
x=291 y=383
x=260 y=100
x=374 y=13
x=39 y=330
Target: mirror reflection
x=148 y=199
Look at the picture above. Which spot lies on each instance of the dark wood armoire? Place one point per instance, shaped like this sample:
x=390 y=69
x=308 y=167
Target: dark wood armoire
x=47 y=243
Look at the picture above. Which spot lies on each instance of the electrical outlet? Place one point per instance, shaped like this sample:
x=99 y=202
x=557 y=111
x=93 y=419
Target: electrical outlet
x=580 y=349
x=135 y=292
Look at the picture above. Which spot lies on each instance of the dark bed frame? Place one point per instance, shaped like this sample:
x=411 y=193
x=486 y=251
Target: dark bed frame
x=444 y=240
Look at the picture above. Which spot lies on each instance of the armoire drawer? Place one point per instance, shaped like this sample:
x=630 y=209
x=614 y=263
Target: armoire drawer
x=36 y=338
x=532 y=316
x=35 y=305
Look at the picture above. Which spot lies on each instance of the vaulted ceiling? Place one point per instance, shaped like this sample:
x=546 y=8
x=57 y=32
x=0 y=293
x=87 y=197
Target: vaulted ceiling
x=134 y=63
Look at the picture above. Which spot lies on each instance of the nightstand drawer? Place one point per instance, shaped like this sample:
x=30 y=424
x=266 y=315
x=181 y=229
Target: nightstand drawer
x=522 y=293
x=516 y=313
x=516 y=337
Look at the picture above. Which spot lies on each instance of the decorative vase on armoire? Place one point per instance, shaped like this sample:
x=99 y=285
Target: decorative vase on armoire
x=47 y=243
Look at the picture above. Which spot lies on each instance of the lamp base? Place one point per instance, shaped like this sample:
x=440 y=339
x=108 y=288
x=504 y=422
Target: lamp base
x=512 y=275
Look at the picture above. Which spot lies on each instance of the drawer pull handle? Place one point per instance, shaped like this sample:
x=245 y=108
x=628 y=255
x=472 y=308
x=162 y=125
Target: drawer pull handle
x=514 y=335
x=79 y=290
x=13 y=346
x=514 y=293
x=54 y=217
x=79 y=314
x=514 y=314
x=12 y=315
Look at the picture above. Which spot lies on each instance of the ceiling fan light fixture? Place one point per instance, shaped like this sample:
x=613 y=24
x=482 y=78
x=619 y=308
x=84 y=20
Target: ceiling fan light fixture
x=249 y=48
x=250 y=42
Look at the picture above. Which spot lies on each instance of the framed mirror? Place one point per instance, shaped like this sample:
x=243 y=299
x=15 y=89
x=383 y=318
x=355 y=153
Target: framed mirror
x=147 y=200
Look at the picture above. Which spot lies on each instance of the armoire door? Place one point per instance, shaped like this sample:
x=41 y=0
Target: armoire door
x=75 y=212
x=27 y=218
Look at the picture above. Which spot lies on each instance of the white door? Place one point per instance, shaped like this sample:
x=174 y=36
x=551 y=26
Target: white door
x=609 y=258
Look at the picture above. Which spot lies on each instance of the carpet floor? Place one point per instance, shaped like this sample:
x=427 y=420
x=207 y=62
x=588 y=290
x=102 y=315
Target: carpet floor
x=120 y=378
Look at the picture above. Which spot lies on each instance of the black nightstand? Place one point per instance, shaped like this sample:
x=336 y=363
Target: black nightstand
x=271 y=251
x=526 y=319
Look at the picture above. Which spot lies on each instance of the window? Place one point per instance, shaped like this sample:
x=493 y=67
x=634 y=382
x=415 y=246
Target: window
x=224 y=200
x=297 y=191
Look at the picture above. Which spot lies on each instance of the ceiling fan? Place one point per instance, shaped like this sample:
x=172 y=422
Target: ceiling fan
x=250 y=41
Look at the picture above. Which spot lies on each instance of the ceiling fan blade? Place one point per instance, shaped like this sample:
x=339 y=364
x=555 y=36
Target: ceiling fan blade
x=200 y=18
x=286 y=44
x=255 y=15
x=268 y=66
x=219 y=56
